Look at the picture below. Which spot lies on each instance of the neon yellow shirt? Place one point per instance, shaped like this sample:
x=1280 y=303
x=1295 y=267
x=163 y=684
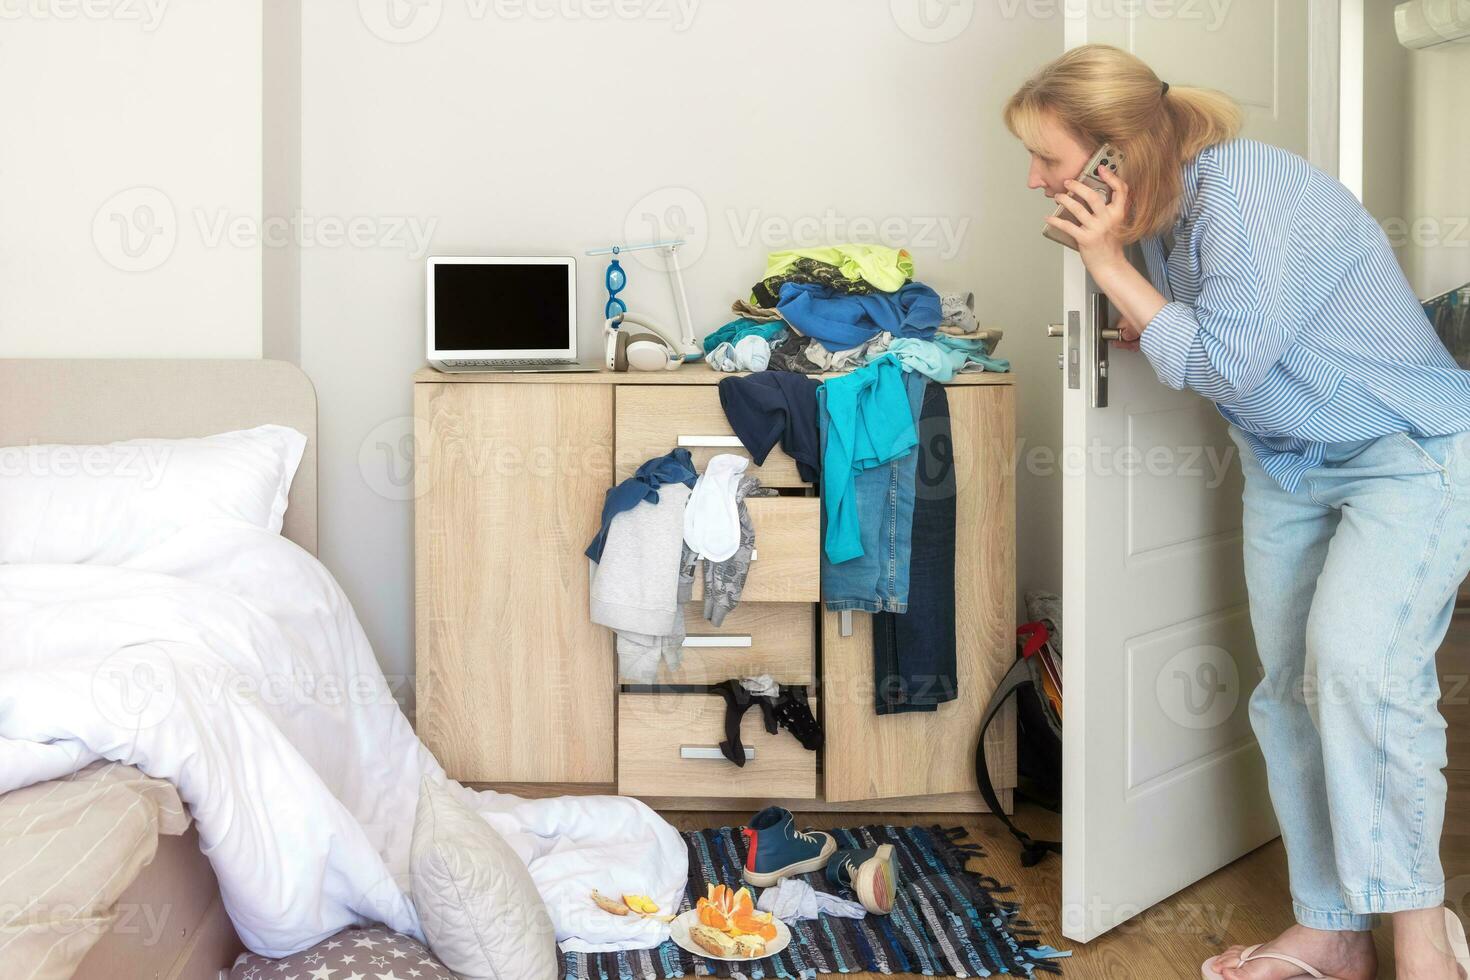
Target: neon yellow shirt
x=885 y=268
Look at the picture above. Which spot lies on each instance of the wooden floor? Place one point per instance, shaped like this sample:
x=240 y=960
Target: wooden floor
x=1247 y=902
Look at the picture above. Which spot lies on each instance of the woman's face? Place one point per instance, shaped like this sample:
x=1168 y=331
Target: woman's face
x=1056 y=158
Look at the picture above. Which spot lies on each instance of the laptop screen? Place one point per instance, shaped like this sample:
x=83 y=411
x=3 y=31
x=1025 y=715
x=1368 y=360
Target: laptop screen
x=509 y=307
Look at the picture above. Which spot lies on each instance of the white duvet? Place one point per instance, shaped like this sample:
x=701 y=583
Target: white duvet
x=228 y=662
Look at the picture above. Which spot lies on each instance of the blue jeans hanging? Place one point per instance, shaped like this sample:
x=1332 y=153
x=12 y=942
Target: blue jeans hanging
x=914 y=665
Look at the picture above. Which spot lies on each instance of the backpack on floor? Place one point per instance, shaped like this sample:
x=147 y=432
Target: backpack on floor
x=1036 y=681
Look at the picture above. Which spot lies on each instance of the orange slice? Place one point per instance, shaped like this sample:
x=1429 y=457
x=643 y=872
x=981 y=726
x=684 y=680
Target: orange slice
x=743 y=902
x=747 y=923
x=714 y=918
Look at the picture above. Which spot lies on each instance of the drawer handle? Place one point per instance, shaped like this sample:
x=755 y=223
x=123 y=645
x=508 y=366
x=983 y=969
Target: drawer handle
x=715 y=640
x=710 y=752
x=711 y=442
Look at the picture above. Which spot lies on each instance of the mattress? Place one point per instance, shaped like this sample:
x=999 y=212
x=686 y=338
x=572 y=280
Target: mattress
x=171 y=922
x=69 y=850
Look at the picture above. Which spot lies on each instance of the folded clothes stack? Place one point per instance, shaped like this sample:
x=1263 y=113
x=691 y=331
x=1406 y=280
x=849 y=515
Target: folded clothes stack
x=837 y=308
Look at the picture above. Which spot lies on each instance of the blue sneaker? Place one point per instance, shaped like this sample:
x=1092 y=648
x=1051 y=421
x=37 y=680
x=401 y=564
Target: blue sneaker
x=871 y=872
x=776 y=849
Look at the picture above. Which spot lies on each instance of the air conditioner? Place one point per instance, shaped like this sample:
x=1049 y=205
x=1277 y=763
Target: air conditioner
x=1426 y=23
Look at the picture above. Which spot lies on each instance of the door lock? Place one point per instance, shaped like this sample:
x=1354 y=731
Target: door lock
x=1070 y=360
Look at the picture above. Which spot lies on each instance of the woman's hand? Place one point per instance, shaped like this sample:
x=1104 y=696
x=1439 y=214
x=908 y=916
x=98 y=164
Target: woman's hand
x=1128 y=335
x=1098 y=233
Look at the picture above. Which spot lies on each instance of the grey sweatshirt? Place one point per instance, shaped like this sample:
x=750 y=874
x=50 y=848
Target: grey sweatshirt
x=635 y=588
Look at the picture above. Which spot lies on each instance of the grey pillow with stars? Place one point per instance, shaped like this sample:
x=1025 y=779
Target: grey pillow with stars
x=353 y=954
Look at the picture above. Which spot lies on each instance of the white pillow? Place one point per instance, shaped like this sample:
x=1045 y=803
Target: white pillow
x=106 y=504
x=478 y=906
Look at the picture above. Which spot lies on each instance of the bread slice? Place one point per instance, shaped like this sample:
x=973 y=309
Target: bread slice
x=609 y=904
x=714 y=941
x=751 y=947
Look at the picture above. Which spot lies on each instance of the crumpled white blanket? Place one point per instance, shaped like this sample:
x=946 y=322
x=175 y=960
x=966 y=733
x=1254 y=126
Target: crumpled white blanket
x=228 y=662
x=793 y=900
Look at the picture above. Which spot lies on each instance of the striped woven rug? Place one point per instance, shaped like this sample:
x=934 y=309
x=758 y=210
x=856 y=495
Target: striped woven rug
x=947 y=922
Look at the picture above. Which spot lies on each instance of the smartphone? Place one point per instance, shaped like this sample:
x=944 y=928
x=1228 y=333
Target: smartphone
x=1108 y=156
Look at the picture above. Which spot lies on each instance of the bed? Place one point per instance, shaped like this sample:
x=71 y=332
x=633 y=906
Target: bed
x=274 y=721
x=169 y=922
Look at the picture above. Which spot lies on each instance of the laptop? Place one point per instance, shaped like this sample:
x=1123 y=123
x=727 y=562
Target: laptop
x=503 y=313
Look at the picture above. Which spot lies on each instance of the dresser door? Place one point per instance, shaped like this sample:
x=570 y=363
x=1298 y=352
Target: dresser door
x=873 y=757
x=515 y=684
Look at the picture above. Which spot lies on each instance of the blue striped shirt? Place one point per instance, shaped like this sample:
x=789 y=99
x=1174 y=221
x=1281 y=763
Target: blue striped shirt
x=1287 y=309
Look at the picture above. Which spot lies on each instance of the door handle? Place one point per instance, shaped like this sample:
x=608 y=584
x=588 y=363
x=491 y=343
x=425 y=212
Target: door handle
x=1100 y=333
x=1057 y=330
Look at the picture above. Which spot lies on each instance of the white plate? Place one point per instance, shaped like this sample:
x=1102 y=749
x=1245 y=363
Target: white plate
x=679 y=930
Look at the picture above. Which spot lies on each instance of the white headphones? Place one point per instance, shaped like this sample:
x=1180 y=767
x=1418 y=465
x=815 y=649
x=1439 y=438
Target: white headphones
x=653 y=350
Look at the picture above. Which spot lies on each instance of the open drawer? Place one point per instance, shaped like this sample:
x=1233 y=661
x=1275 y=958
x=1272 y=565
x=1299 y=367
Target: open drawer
x=669 y=745
x=652 y=419
x=787 y=536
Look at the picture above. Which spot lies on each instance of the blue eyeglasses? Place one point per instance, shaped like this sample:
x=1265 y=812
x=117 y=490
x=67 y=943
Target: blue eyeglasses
x=616 y=280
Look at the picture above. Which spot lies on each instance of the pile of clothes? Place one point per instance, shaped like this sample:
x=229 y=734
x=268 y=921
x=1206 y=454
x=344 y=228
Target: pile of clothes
x=875 y=440
x=657 y=525
x=832 y=309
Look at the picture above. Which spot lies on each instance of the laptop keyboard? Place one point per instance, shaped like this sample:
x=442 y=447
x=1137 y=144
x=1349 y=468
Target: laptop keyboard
x=508 y=362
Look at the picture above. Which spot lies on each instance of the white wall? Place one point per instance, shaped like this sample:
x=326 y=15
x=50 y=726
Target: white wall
x=1437 y=196
x=1415 y=142
x=1385 y=150
x=487 y=127
x=132 y=133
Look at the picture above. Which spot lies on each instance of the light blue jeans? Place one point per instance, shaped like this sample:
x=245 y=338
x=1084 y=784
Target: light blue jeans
x=878 y=579
x=1352 y=584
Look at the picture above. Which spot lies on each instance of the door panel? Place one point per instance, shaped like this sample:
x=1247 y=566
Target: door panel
x=1174 y=502
x=1163 y=781
x=1185 y=703
x=1253 y=50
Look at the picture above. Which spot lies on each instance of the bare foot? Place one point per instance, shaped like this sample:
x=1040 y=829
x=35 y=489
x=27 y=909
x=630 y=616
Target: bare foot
x=1341 y=955
x=1421 y=947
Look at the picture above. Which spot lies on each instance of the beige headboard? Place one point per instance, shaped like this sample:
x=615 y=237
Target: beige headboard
x=87 y=402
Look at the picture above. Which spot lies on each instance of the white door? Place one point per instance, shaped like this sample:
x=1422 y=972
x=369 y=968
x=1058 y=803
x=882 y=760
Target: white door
x=1164 y=783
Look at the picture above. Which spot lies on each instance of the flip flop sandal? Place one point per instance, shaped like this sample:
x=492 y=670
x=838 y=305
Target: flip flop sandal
x=1251 y=955
x=1459 y=948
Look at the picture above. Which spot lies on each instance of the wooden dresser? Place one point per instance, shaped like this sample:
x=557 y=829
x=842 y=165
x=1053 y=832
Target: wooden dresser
x=518 y=690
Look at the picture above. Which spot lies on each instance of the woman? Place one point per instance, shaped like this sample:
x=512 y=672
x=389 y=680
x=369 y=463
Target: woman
x=1272 y=292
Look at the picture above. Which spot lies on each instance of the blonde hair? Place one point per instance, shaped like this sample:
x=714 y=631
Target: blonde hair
x=1103 y=94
